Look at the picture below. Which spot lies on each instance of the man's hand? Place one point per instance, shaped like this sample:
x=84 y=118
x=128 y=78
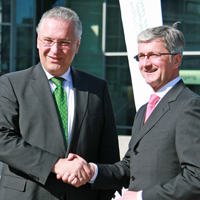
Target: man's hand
x=72 y=178
x=129 y=195
x=74 y=170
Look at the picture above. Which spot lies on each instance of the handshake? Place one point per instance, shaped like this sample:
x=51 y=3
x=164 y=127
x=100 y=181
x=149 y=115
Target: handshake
x=74 y=170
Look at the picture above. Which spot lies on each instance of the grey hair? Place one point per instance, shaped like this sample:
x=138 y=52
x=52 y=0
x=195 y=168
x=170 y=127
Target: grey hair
x=173 y=38
x=62 y=13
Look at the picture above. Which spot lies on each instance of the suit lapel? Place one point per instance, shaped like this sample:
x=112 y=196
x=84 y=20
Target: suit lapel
x=80 y=101
x=41 y=88
x=160 y=110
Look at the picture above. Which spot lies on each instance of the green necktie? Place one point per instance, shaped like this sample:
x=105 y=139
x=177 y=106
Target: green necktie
x=61 y=101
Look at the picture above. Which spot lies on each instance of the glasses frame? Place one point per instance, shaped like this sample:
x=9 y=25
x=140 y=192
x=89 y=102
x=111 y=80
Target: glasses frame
x=53 y=42
x=159 y=54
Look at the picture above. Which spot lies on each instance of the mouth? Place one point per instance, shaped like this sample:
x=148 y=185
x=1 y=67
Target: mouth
x=151 y=71
x=54 y=59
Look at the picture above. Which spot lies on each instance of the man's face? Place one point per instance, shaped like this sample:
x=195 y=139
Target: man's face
x=56 y=59
x=157 y=71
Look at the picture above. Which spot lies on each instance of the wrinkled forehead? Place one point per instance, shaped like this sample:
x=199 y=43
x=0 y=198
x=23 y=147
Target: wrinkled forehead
x=154 y=45
x=54 y=21
x=57 y=29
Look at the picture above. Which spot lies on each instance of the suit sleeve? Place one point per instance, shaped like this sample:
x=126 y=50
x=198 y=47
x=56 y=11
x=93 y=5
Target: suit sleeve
x=14 y=150
x=114 y=176
x=186 y=185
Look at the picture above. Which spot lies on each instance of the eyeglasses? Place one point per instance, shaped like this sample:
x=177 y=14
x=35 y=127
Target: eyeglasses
x=61 y=44
x=153 y=55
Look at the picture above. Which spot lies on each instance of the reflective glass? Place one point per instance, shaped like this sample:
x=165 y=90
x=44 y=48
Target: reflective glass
x=89 y=63
x=188 y=13
x=89 y=57
x=25 y=11
x=24 y=47
x=191 y=62
x=58 y=3
x=120 y=87
x=5 y=6
x=4 y=49
x=113 y=2
x=90 y=14
x=114 y=30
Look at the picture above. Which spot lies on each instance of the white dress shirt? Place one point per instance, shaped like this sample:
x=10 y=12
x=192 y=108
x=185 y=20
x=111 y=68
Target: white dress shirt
x=68 y=87
x=165 y=89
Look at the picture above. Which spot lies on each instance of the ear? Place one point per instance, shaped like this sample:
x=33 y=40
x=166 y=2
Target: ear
x=38 y=42
x=177 y=60
x=78 y=44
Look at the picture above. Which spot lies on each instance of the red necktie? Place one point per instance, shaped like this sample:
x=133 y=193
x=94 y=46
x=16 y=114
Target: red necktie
x=151 y=105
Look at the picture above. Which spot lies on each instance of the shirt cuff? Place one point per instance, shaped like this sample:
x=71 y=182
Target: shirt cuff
x=92 y=180
x=139 y=195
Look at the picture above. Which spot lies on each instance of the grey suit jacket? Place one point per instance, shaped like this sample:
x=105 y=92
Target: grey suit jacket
x=163 y=156
x=31 y=140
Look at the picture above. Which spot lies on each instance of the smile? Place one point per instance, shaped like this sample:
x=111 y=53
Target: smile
x=55 y=58
x=151 y=71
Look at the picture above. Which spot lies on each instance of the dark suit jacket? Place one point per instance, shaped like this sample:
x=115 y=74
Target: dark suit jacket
x=163 y=156
x=31 y=140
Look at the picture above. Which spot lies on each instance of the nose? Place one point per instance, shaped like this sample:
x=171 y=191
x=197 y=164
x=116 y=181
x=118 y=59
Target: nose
x=55 y=48
x=146 y=61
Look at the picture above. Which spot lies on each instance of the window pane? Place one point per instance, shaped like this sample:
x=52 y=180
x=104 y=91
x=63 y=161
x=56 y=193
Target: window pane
x=5 y=12
x=89 y=57
x=120 y=87
x=188 y=13
x=114 y=30
x=59 y=3
x=5 y=49
x=113 y=2
x=90 y=14
x=24 y=47
x=25 y=12
x=191 y=62
x=89 y=63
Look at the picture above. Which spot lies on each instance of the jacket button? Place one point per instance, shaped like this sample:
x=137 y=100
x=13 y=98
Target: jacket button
x=133 y=178
x=135 y=151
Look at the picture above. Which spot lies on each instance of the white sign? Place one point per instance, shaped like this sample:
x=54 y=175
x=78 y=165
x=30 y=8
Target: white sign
x=138 y=15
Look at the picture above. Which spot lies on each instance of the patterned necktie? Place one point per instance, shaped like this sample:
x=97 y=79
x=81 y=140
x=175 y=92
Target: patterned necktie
x=151 y=105
x=61 y=101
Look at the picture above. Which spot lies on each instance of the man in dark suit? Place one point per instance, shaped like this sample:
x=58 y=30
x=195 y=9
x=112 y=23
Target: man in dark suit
x=162 y=161
x=32 y=144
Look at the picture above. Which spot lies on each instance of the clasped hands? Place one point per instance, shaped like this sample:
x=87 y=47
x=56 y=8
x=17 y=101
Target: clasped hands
x=76 y=171
x=73 y=170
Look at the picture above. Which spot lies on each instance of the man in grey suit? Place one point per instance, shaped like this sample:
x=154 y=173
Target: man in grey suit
x=163 y=160
x=32 y=144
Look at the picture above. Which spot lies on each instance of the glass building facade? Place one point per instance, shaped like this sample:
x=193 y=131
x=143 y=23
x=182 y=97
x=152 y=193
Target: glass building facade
x=102 y=51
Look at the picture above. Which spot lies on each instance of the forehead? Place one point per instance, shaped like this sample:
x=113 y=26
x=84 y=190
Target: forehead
x=156 y=45
x=56 y=27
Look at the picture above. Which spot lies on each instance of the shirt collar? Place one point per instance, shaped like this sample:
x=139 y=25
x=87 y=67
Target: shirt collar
x=163 y=91
x=67 y=75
